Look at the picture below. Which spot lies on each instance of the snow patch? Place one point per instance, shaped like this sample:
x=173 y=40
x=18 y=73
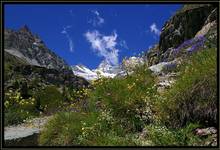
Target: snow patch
x=104 y=70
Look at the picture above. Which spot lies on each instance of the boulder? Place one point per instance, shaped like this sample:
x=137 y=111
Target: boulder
x=165 y=67
x=206 y=131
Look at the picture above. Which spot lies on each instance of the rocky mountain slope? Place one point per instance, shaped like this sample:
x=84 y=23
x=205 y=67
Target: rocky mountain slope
x=192 y=28
x=29 y=47
x=27 y=58
x=30 y=70
x=191 y=21
x=18 y=69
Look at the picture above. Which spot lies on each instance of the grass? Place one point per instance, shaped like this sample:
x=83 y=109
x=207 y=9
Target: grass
x=49 y=99
x=126 y=98
x=160 y=135
x=63 y=129
x=193 y=97
x=121 y=108
x=117 y=109
x=88 y=129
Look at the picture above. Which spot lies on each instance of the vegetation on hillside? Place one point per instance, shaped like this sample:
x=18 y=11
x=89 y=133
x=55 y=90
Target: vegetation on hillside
x=31 y=90
x=193 y=98
x=121 y=109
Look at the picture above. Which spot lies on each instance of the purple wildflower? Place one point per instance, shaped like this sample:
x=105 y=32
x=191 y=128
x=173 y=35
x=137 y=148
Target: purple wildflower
x=192 y=44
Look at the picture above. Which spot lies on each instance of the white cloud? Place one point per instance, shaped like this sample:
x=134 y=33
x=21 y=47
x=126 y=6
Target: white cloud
x=123 y=44
x=96 y=12
x=70 y=41
x=154 y=29
x=104 y=46
x=97 y=20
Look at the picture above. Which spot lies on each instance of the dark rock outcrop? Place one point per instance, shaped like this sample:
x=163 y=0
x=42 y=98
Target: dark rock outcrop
x=184 y=25
x=192 y=20
x=152 y=55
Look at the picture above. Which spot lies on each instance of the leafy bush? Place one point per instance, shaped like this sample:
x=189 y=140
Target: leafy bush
x=18 y=109
x=193 y=97
x=77 y=99
x=128 y=99
x=49 y=99
x=163 y=136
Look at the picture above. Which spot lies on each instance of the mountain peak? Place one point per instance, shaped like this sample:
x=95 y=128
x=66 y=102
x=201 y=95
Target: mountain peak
x=104 y=65
x=104 y=69
x=31 y=48
x=25 y=28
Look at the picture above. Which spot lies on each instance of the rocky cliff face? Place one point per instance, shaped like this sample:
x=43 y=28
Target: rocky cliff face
x=17 y=72
x=31 y=48
x=28 y=62
x=184 y=25
x=192 y=28
x=190 y=21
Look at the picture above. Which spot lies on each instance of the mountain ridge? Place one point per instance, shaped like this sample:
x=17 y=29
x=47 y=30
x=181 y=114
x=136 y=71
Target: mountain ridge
x=28 y=46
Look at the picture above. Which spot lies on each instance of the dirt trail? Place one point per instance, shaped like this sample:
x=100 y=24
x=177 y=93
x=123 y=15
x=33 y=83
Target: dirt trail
x=25 y=129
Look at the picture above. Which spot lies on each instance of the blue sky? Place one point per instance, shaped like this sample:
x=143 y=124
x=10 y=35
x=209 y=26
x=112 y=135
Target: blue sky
x=89 y=33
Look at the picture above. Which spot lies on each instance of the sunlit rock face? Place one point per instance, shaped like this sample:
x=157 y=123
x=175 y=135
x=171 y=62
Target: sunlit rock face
x=132 y=62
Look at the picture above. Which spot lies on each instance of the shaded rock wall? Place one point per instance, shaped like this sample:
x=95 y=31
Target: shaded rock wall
x=190 y=21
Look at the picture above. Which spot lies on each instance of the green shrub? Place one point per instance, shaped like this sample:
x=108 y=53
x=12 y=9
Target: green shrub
x=91 y=129
x=77 y=99
x=62 y=130
x=163 y=136
x=106 y=131
x=128 y=99
x=193 y=96
x=49 y=99
x=18 y=109
x=108 y=139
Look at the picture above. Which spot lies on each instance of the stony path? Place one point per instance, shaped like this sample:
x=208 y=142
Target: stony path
x=25 y=129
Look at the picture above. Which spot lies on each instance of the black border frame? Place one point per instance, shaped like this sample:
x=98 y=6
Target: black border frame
x=8 y=2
